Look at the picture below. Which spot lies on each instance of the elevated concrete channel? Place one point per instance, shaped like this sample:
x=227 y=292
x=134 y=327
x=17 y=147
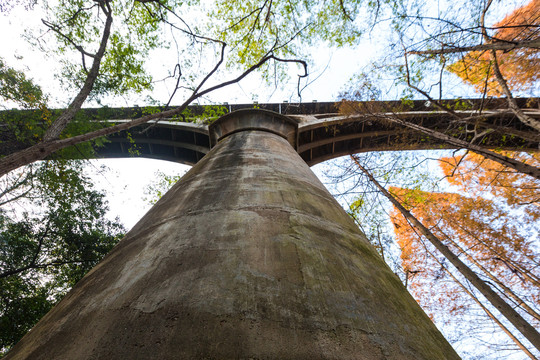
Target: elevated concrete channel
x=248 y=256
x=324 y=134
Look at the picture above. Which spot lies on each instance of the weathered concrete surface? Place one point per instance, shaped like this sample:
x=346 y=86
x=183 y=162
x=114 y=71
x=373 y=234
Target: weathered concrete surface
x=247 y=257
x=264 y=120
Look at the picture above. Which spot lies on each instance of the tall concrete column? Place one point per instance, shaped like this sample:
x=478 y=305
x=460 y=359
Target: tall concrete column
x=247 y=257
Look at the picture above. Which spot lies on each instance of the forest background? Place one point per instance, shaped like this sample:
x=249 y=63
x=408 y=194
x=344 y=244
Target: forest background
x=157 y=53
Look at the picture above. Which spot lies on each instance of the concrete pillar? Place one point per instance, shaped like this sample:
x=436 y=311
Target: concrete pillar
x=247 y=257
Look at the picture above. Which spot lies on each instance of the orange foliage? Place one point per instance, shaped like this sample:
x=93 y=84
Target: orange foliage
x=433 y=290
x=477 y=175
x=475 y=228
x=520 y=67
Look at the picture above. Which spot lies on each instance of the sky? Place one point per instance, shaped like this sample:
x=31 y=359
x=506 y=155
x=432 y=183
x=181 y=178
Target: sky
x=328 y=76
x=125 y=180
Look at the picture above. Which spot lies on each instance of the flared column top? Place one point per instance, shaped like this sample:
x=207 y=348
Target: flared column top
x=254 y=119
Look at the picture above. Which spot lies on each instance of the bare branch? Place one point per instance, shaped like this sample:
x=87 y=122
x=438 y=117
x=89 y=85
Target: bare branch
x=506 y=46
x=524 y=118
x=501 y=159
x=435 y=102
x=56 y=29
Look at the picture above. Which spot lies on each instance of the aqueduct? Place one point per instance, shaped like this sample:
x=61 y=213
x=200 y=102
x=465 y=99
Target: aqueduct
x=248 y=256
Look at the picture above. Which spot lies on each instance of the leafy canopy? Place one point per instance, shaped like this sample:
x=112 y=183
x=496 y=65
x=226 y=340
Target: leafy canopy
x=45 y=250
x=520 y=66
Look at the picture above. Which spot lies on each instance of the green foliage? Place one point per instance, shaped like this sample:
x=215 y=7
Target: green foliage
x=137 y=29
x=212 y=113
x=154 y=191
x=43 y=253
x=16 y=87
x=287 y=29
x=133 y=148
x=21 y=127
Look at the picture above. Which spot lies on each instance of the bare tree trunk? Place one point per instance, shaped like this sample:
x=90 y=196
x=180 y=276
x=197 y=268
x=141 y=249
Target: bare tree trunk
x=501 y=159
x=527 y=120
x=486 y=310
x=507 y=291
x=528 y=331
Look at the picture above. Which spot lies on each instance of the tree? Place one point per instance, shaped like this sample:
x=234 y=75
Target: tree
x=45 y=250
x=468 y=320
x=489 y=237
x=16 y=88
x=476 y=230
x=492 y=234
x=154 y=191
x=115 y=65
x=511 y=315
x=517 y=36
x=442 y=290
x=515 y=213
x=52 y=225
x=478 y=176
x=479 y=36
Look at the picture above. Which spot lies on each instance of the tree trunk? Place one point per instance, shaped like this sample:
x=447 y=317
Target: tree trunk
x=486 y=310
x=505 y=289
x=528 y=331
x=524 y=118
x=65 y=118
x=500 y=45
x=501 y=159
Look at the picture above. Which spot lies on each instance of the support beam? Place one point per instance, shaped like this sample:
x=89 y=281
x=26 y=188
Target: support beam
x=248 y=256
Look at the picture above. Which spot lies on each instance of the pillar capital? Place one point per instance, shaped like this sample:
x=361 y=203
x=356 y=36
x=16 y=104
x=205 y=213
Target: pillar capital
x=254 y=119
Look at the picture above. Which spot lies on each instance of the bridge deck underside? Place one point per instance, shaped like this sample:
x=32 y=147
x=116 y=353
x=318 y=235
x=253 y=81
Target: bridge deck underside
x=363 y=134
x=158 y=141
x=319 y=139
x=323 y=133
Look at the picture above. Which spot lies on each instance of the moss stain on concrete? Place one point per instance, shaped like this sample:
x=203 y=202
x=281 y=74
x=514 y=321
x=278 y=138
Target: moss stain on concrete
x=247 y=257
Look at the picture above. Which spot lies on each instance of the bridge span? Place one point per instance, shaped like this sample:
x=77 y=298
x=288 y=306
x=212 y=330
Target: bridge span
x=324 y=129
x=324 y=133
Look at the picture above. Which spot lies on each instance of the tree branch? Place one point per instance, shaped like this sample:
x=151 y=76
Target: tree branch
x=512 y=104
x=42 y=150
x=501 y=159
x=56 y=29
x=32 y=264
x=59 y=124
x=499 y=45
